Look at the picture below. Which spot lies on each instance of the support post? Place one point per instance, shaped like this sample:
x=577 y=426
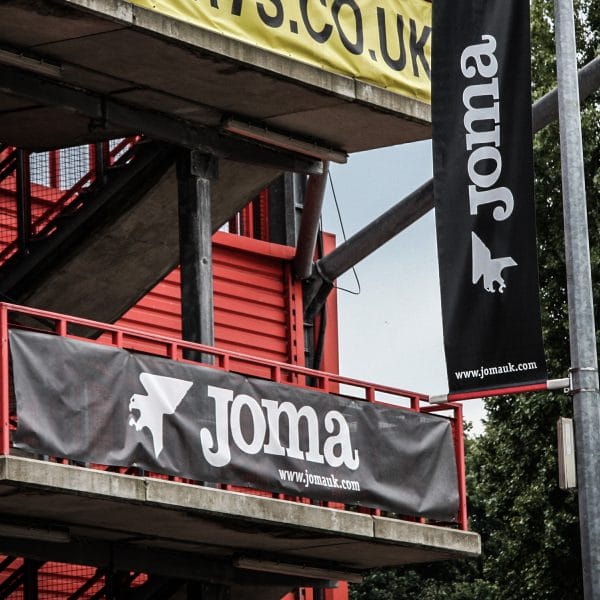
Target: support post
x=286 y=195
x=309 y=225
x=195 y=172
x=30 y=579
x=23 y=201
x=100 y=157
x=582 y=331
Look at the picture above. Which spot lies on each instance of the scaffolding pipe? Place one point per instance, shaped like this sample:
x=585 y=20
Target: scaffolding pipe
x=309 y=225
x=545 y=110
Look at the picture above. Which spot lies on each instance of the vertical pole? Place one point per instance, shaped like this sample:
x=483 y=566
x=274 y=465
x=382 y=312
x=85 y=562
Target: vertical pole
x=30 y=580
x=286 y=195
x=309 y=225
x=23 y=201
x=99 y=157
x=195 y=172
x=584 y=361
x=459 y=444
x=54 y=169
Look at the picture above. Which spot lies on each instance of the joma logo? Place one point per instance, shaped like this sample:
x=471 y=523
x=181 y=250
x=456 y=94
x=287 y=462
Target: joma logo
x=164 y=394
x=265 y=435
x=484 y=166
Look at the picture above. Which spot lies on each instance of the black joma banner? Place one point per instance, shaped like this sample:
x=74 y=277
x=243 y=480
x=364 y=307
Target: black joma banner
x=483 y=190
x=98 y=404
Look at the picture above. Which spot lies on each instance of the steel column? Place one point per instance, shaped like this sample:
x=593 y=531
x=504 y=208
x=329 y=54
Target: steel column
x=582 y=330
x=30 y=579
x=195 y=172
x=309 y=225
x=23 y=201
x=286 y=195
x=100 y=161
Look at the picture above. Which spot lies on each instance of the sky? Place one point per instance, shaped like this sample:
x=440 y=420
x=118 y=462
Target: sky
x=391 y=333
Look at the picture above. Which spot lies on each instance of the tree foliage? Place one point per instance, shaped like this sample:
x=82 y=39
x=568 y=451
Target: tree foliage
x=529 y=527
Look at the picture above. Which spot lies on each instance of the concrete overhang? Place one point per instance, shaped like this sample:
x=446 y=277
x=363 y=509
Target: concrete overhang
x=126 y=513
x=119 y=53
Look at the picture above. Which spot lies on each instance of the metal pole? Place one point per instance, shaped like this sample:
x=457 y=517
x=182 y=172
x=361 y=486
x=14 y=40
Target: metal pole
x=378 y=232
x=582 y=331
x=195 y=172
x=23 y=199
x=545 y=110
x=309 y=226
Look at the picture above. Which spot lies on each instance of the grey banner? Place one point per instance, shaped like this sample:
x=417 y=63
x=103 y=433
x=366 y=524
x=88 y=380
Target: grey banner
x=99 y=404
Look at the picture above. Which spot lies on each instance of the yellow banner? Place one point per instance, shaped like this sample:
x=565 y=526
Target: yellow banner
x=387 y=44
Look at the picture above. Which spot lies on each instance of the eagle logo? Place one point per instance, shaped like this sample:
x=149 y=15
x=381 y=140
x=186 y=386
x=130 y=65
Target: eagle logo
x=163 y=396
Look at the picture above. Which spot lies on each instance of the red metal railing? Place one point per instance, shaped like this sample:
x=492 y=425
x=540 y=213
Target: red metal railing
x=48 y=183
x=174 y=349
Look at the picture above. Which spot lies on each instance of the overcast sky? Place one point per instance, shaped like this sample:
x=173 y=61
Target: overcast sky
x=391 y=333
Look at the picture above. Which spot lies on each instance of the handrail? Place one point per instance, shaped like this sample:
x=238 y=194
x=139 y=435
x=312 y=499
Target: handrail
x=78 y=186
x=68 y=196
x=228 y=360
x=175 y=349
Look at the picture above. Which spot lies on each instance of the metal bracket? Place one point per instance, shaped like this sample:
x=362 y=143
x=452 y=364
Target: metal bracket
x=572 y=390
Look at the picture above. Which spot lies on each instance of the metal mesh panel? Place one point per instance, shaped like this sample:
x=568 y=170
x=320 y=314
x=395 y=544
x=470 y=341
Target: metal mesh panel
x=61 y=580
x=39 y=165
x=54 y=180
x=57 y=580
x=74 y=165
x=10 y=574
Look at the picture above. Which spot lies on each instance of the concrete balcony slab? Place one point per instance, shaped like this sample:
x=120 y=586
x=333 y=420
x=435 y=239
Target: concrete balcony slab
x=110 y=512
x=142 y=59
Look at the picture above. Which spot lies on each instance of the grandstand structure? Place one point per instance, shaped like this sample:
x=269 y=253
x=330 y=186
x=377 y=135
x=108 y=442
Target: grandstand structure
x=160 y=187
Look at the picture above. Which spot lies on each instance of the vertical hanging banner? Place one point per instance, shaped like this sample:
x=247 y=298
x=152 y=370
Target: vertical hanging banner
x=483 y=190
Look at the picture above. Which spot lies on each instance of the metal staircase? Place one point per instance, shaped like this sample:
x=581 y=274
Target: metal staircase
x=89 y=230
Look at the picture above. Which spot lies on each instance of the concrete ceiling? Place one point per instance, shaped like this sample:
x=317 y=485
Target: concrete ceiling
x=116 y=52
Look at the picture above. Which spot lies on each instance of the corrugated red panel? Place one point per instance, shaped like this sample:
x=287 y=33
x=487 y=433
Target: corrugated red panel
x=255 y=298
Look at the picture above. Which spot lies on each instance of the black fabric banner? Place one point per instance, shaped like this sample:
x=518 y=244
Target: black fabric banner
x=99 y=404
x=483 y=190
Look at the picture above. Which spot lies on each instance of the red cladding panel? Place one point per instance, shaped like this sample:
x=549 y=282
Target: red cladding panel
x=256 y=301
